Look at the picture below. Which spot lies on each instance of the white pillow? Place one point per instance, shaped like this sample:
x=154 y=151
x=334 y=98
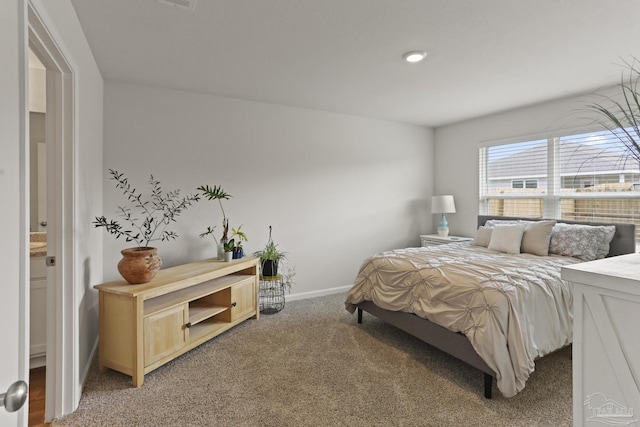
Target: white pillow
x=507 y=238
x=493 y=222
x=603 y=248
x=483 y=236
x=536 y=237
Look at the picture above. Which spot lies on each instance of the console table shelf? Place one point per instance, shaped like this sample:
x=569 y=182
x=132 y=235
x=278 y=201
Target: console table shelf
x=200 y=314
x=144 y=326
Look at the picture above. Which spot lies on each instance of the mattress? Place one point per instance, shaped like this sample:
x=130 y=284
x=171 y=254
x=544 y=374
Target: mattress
x=512 y=308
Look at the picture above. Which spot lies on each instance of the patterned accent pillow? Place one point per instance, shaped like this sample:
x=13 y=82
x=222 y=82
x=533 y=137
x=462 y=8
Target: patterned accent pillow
x=574 y=240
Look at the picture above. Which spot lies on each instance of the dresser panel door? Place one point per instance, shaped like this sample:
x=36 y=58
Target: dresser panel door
x=243 y=299
x=165 y=333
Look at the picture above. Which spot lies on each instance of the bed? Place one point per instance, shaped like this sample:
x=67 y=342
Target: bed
x=477 y=301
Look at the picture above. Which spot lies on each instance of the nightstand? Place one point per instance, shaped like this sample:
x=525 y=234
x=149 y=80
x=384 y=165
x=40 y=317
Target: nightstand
x=434 y=239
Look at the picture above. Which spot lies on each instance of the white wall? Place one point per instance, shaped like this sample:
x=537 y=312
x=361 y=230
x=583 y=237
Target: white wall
x=335 y=188
x=62 y=22
x=456 y=150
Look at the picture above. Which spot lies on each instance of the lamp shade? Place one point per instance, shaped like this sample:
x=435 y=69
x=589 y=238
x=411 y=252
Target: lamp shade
x=443 y=204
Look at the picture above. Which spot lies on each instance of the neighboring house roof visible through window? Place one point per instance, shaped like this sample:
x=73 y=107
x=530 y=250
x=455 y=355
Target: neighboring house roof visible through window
x=575 y=159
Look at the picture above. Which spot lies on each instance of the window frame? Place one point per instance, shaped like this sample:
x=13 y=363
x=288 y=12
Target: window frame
x=552 y=198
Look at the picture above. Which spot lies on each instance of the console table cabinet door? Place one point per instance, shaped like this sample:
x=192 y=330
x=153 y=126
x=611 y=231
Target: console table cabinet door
x=243 y=299
x=165 y=333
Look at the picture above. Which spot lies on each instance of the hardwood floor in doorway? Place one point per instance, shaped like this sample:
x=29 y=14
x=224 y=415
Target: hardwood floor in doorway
x=37 y=394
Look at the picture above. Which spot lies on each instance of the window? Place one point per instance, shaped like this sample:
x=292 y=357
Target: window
x=583 y=177
x=526 y=183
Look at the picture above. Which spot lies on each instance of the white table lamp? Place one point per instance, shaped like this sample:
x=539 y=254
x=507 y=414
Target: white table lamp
x=443 y=205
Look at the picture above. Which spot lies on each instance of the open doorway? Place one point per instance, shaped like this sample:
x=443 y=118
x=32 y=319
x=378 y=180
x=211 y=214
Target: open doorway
x=37 y=240
x=60 y=359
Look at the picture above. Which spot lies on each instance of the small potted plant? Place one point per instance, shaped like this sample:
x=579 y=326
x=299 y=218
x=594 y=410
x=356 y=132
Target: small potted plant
x=228 y=250
x=217 y=193
x=270 y=256
x=154 y=214
x=238 y=251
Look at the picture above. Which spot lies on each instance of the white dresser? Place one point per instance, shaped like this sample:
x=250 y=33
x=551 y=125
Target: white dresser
x=606 y=341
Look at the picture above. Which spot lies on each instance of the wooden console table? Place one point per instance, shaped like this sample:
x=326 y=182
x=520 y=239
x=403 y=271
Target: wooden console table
x=144 y=326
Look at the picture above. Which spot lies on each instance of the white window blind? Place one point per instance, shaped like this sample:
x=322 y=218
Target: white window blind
x=584 y=177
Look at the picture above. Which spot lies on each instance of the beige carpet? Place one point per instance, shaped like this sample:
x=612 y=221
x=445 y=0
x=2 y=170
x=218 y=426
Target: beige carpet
x=313 y=365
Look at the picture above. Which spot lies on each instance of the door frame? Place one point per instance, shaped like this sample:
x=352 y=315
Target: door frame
x=62 y=379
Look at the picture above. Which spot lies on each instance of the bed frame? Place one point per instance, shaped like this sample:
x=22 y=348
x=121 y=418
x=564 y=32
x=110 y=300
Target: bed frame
x=456 y=344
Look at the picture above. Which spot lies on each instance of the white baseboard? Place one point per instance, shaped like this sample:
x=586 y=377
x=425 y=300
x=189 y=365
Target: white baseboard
x=85 y=372
x=38 y=360
x=315 y=294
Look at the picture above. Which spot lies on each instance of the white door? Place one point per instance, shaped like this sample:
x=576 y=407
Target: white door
x=13 y=214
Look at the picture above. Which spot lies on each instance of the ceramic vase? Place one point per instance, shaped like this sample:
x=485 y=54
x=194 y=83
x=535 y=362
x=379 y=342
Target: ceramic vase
x=139 y=265
x=238 y=253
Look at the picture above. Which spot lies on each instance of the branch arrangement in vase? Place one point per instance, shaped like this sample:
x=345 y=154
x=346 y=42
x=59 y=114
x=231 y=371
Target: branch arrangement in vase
x=147 y=218
x=224 y=244
x=216 y=193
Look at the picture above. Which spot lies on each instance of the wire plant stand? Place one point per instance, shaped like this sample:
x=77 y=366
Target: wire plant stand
x=271 y=294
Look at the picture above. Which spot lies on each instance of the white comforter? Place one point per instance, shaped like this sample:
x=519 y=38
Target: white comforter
x=513 y=308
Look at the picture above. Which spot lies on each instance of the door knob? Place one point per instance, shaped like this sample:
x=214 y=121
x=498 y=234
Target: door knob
x=15 y=396
x=43 y=223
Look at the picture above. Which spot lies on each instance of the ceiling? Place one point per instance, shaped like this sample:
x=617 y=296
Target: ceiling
x=345 y=56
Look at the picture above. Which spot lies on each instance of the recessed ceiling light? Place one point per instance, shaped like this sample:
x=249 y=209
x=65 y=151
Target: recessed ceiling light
x=414 y=56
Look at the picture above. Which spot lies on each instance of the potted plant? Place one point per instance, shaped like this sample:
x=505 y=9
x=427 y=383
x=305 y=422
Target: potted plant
x=217 y=193
x=270 y=256
x=622 y=118
x=287 y=278
x=228 y=250
x=238 y=251
x=154 y=213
